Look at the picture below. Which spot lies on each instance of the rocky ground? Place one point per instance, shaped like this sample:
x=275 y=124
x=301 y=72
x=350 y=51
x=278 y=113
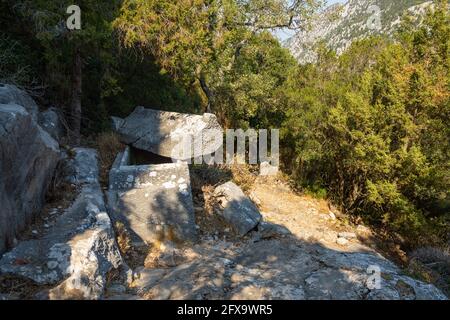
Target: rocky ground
x=309 y=255
x=302 y=251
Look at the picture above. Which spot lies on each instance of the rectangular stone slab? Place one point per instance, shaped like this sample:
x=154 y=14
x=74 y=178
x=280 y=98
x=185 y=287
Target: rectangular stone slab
x=163 y=133
x=154 y=202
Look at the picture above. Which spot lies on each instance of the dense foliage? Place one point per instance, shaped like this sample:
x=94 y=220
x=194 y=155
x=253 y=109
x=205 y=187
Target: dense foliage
x=37 y=52
x=202 y=43
x=372 y=128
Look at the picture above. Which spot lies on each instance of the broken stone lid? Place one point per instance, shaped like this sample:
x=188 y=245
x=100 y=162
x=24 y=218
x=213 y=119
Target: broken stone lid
x=166 y=133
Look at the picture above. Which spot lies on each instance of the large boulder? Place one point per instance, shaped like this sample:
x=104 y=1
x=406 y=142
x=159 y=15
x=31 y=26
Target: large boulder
x=50 y=121
x=76 y=254
x=28 y=158
x=154 y=202
x=236 y=208
x=163 y=132
x=10 y=94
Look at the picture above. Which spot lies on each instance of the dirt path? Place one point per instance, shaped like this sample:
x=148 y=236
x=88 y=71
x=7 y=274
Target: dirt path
x=307 y=218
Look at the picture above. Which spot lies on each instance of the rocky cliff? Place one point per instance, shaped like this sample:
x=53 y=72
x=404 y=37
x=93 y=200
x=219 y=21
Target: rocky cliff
x=339 y=25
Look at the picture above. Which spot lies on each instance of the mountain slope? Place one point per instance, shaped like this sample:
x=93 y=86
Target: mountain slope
x=339 y=25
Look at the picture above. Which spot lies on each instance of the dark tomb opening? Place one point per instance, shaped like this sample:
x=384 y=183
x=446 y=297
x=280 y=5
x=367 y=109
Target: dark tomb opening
x=141 y=157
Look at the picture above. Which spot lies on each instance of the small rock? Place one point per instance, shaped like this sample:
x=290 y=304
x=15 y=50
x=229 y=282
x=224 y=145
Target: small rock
x=52 y=264
x=35 y=232
x=332 y=216
x=266 y=169
x=347 y=235
x=342 y=241
x=236 y=208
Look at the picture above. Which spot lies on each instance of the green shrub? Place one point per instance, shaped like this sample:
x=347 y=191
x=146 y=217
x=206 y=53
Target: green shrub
x=372 y=127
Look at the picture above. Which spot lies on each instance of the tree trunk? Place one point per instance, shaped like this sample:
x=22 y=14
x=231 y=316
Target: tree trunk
x=76 y=98
x=207 y=91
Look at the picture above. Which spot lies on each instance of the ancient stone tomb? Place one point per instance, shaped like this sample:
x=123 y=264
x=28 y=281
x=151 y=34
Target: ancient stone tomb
x=153 y=201
x=152 y=197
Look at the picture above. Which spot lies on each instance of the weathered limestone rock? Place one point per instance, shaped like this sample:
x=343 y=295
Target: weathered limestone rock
x=279 y=269
x=10 y=94
x=266 y=169
x=347 y=235
x=79 y=169
x=75 y=254
x=50 y=121
x=162 y=132
x=353 y=270
x=28 y=158
x=153 y=201
x=342 y=241
x=236 y=208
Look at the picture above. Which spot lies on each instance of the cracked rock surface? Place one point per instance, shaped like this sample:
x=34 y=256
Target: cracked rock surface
x=154 y=202
x=163 y=132
x=28 y=158
x=74 y=256
x=10 y=94
x=300 y=261
x=276 y=269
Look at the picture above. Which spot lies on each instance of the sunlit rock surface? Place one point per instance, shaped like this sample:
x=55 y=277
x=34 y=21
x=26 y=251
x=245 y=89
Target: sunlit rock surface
x=163 y=132
x=154 y=202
